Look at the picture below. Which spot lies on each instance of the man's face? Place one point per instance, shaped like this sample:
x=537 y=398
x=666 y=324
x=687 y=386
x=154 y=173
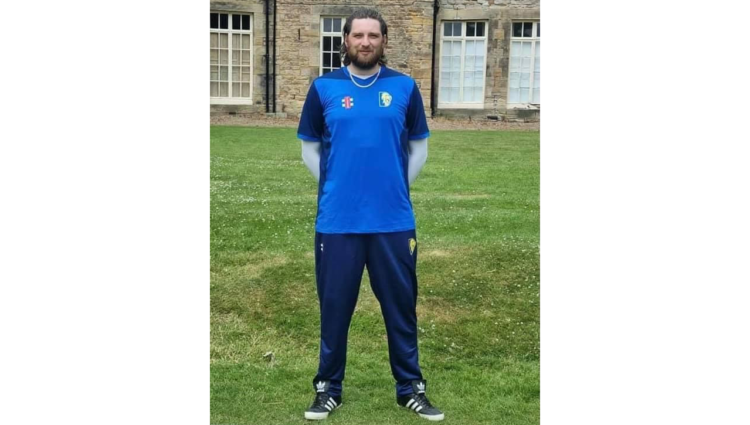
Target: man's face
x=365 y=44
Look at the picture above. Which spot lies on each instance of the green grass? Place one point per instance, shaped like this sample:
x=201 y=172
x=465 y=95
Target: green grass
x=477 y=208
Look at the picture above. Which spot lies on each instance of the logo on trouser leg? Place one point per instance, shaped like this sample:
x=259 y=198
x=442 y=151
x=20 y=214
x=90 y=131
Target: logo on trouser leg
x=412 y=245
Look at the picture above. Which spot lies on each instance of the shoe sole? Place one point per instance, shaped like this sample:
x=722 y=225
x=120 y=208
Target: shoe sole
x=317 y=416
x=436 y=418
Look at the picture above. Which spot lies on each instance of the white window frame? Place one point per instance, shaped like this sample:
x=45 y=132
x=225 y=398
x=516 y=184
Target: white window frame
x=232 y=32
x=463 y=38
x=534 y=39
x=329 y=34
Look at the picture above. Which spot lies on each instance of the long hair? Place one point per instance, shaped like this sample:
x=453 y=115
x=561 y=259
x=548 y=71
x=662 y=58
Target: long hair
x=362 y=13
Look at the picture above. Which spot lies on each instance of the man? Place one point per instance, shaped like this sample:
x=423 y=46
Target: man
x=364 y=137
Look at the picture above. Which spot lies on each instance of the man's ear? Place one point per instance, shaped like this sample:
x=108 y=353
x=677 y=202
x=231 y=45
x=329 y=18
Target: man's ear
x=385 y=39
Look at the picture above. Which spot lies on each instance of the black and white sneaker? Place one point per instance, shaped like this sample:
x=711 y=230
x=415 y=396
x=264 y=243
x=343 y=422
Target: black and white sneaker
x=418 y=402
x=323 y=403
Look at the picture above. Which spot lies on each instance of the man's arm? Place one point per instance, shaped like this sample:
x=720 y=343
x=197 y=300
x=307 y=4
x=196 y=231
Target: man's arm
x=417 y=158
x=311 y=157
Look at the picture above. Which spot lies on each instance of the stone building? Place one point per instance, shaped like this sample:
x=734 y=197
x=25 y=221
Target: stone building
x=485 y=62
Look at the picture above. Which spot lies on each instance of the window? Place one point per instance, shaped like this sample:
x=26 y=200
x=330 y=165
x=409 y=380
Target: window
x=330 y=44
x=523 y=80
x=463 y=55
x=231 y=57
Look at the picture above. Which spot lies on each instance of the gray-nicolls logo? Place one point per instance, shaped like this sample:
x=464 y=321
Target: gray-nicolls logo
x=420 y=387
x=321 y=386
x=321 y=247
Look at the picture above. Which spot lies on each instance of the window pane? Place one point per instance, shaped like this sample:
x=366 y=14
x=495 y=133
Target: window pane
x=479 y=48
x=246 y=41
x=443 y=96
x=245 y=89
x=469 y=63
x=478 y=94
x=223 y=41
x=454 y=95
x=515 y=80
x=535 y=97
x=235 y=89
x=245 y=22
x=223 y=89
x=236 y=23
x=517 y=29
x=214 y=73
x=236 y=42
x=336 y=60
x=236 y=56
x=223 y=57
x=469 y=47
x=224 y=73
x=527 y=49
x=470 y=29
x=525 y=76
x=526 y=64
x=235 y=73
x=515 y=63
x=337 y=25
x=326 y=44
x=445 y=79
x=245 y=74
x=455 y=80
x=224 y=21
x=214 y=40
x=527 y=27
x=336 y=44
x=480 y=29
x=214 y=56
x=536 y=80
x=214 y=20
x=478 y=63
x=468 y=81
x=327 y=23
x=524 y=95
x=457 y=32
x=538 y=26
x=447 y=29
x=478 y=80
x=514 y=96
x=246 y=54
x=326 y=59
x=214 y=89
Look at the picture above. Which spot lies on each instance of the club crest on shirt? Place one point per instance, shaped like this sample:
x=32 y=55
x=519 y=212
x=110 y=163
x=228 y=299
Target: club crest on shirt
x=412 y=245
x=347 y=102
x=385 y=99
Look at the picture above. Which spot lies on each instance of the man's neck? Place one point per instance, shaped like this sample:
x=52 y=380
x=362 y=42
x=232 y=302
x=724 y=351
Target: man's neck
x=353 y=69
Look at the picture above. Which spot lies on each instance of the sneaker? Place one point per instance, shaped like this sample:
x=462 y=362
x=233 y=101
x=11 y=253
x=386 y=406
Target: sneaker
x=323 y=403
x=418 y=402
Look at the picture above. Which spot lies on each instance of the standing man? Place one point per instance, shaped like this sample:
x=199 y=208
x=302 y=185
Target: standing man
x=364 y=137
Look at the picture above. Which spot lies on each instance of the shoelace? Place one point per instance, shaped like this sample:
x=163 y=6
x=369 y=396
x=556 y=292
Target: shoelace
x=421 y=398
x=320 y=400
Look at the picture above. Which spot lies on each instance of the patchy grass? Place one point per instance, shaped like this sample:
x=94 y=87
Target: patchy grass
x=477 y=209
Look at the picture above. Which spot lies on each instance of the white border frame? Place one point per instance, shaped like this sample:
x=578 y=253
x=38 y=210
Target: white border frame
x=236 y=100
x=463 y=38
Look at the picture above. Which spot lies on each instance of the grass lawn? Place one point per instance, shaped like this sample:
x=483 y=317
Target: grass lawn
x=477 y=208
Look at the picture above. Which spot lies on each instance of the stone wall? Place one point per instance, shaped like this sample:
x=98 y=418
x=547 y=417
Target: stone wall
x=409 y=47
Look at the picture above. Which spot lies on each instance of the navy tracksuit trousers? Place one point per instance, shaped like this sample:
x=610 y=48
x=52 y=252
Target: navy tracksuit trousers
x=391 y=260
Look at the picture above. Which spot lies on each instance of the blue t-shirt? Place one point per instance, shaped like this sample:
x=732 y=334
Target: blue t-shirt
x=365 y=134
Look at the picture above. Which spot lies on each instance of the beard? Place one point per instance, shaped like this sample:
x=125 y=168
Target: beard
x=365 y=62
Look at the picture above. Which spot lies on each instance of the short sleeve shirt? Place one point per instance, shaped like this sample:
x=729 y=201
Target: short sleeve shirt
x=364 y=134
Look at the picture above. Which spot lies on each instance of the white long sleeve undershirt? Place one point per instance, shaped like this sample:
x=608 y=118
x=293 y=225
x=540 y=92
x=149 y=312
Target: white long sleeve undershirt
x=417 y=157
